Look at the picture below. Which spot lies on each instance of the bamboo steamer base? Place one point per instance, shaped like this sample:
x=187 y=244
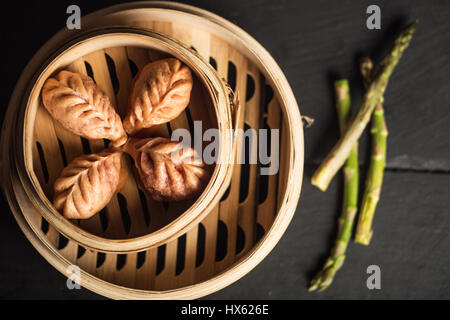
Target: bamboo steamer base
x=252 y=215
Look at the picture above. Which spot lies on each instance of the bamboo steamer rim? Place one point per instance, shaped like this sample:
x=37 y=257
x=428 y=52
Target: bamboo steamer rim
x=19 y=201
x=94 y=40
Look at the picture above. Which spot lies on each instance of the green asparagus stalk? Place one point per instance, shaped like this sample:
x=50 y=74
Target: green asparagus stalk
x=375 y=173
x=350 y=198
x=374 y=94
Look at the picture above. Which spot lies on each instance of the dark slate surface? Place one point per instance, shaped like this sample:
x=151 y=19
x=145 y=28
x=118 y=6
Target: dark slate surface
x=314 y=42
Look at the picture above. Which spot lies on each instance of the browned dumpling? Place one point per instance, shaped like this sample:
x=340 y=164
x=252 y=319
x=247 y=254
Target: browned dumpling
x=88 y=183
x=167 y=170
x=159 y=93
x=75 y=101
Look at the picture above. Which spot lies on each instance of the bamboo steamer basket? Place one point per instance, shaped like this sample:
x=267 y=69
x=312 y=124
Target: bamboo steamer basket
x=132 y=221
x=250 y=217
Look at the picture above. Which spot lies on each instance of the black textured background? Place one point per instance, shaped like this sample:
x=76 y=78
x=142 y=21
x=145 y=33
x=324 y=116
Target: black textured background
x=314 y=42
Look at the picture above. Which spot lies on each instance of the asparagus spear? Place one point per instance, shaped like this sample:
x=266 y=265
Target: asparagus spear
x=375 y=173
x=350 y=199
x=374 y=94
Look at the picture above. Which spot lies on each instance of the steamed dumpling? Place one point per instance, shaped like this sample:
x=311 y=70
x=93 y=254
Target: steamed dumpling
x=88 y=183
x=159 y=93
x=75 y=101
x=168 y=171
